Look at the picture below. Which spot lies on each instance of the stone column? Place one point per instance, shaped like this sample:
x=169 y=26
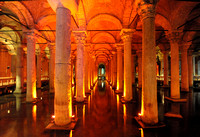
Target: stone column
x=119 y=69
x=114 y=70
x=85 y=74
x=111 y=70
x=126 y=35
x=139 y=54
x=31 y=67
x=19 y=70
x=133 y=69
x=149 y=108
x=38 y=67
x=165 y=58
x=184 y=68
x=174 y=47
x=190 y=68
x=63 y=97
x=52 y=68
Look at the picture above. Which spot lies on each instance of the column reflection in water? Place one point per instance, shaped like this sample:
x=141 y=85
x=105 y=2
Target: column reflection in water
x=84 y=115
x=124 y=108
x=18 y=102
x=34 y=111
x=118 y=110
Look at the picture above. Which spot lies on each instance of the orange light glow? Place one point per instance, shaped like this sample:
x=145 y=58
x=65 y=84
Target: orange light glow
x=83 y=115
x=142 y=132
x=70 y=134
x=34 y=92
x=53 y=116
x=73 y=116
x=139 y=114
x=124 y=91
x=34 y=112
x=124 y=108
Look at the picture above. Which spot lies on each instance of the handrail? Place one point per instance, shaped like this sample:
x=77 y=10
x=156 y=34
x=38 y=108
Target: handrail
x=5 y=81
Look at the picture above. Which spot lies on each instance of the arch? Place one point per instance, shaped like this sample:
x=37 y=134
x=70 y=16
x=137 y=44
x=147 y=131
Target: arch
x=104 y=17
x=98 y=36
x=21 y=11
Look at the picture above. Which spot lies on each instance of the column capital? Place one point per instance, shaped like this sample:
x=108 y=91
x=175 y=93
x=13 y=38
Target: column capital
x=190 y=51
x=146 y=10
x=31 y=34
x=126 y=34
x=174 y=36
x=113 y=52
x=80 y=36
x=185 y=46
x=119 y=46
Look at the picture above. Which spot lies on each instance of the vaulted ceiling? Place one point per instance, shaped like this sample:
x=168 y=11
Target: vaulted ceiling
x=103 y=20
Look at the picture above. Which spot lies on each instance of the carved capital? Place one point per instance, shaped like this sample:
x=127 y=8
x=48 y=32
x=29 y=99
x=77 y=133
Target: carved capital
x=127 y=34
x=146 y=10
x=80 y=36
x=174 y=36
x=119 y=46
x=30 y=34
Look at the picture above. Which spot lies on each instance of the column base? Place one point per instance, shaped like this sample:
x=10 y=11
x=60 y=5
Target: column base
x=84 y=100
x=70 y=126
x=146 y=126
x=185 y=90
x=18 y=91
x=123 y=101
x=176 y=100
x=119 y=91
x=165 y=86
x=173 y=115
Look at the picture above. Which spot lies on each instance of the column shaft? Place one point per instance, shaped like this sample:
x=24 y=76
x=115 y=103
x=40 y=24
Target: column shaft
x=19 y=71
x=80 y=89
x=190 y=68
x=127 y=38
x=31 y=68
x=85 y=74
x=175 y=86
x=165 y=68
x=139 y=69
x=119 y=69
x=149 y=108
x=133 y=69
x=38 y=74
x=62 y=99
x=52 y=68
x=184 y=71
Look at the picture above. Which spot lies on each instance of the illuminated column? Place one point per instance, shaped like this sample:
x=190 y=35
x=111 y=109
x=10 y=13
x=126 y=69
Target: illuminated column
x=62 y=99
x=85 y=74
x=111 y=70
x=114 y=69
x=184 y=68
x=149 y=108
x=174 y=47
x=126 y=35
x=139 y=54
x=80 y=39
x=190 y=68
x=52 y=68
x=133 y=69
x=19 y=70
x=119 y=69
x=38 y=73
x=31 y=68
x=165 y=57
